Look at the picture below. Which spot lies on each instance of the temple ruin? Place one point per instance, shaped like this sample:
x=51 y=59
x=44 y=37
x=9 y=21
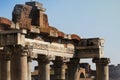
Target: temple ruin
x=28 y=36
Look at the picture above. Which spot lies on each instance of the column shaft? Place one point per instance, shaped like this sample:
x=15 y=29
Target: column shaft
x=98 y=72
x=5 y=67
x=19 y=65
x=14 y=67
x=59 y=69
x=43 y=67
x=29 y=68
x=102 y=71
x=73 y=71
x=23 y=68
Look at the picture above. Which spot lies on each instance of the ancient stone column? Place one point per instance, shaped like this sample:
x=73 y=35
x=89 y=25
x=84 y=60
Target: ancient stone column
x=5 y=67
x=29 y=67
x=43 y=67
x=19 y=64
x=73 y=69
x=102 y=69
x=59 y=69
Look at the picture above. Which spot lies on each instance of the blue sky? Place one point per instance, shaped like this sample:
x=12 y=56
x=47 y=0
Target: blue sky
x=87 y=18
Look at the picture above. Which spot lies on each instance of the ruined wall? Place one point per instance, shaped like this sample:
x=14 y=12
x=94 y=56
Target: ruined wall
x=21 y=15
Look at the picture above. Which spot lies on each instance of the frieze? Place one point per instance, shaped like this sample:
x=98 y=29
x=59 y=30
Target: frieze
x=54 y=47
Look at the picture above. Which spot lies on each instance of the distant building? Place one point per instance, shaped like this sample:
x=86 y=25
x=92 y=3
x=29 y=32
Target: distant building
x=114 y=72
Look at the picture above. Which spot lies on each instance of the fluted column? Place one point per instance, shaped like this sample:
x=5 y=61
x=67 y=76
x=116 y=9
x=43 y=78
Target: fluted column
x=19 y=64
x=43 y=67
x=102 y=69
x=73 y=69
x=59 y=69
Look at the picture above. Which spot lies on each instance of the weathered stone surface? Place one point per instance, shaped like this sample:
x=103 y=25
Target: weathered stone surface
x=21 y=15
x=90 y=48
x=12 y=37
x=45 y=21
x=31 y=17
x=45 y=30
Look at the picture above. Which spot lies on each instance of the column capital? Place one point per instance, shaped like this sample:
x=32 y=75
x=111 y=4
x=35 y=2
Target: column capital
x=19 y=50
x=101 y=60
x=74 y=61
x=73 y=69
x=6 y=53
x=43 y=59
x=59 y=62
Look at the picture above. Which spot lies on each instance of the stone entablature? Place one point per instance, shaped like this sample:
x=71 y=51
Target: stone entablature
x=50 y=49
x=91 y=47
